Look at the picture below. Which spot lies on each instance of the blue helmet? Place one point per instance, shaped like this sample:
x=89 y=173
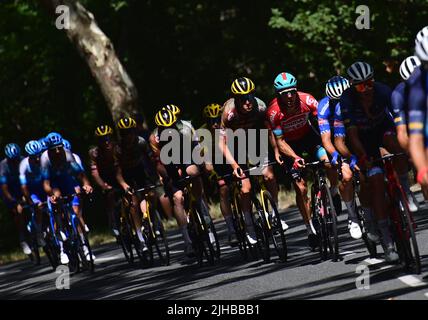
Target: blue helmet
x=284 y=80
x=66 y=144
x=335 y=87
x=54 y=139
x=33 y=148
x=12 y=151
x=43 y=143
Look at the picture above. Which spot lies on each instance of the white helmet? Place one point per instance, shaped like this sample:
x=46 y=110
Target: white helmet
x=421 y=44
x=360 y=71
x=408 y=66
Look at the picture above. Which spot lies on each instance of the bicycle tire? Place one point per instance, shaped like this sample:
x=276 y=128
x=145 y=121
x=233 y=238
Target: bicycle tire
x=411 y=247
x=370 y=245
x=331 y=219
x=260 y=226
x=318 y=222
x=161 y=240
x=275 y=232
x=125 y=235
x=239 y=226
x=204 y=239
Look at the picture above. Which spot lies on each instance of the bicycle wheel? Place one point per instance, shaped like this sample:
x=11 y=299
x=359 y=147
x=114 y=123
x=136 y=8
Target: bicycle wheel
x=125 y=235
x=370 y=245
x=206 y=244
x=239 y=225
x=52 y=252
x=410 y=243
x=211 y=229
x=87 y=264
x=331 y=223
x=318 y=221
x=274 y=226
x=260 y=225
x=161 y=239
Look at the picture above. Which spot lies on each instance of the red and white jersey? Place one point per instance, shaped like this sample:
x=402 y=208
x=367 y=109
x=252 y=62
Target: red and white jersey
x=292 y=124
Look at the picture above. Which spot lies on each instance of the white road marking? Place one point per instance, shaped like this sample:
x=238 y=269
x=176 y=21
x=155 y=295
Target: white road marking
x=426 y=294
x=411 y=281
x=2 y=273
x=374 y=260
x=108 y=258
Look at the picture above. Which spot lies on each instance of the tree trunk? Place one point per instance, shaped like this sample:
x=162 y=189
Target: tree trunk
x=98 y=52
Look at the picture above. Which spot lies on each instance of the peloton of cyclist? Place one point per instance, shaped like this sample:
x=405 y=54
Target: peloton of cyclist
x=365 y=109
x=61 y=175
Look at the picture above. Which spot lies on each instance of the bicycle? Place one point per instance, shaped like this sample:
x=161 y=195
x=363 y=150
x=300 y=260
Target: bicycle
x=128 y=238
x=403 y=225
x=154 y=230
x=68 y=224
x=324 y=215
x=266 y=220
x=33 y=228
x=370 y=245
x=201 y=228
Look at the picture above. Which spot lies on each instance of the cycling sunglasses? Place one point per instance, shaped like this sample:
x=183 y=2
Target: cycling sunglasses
x=212 y=121
x=104 y=139
x=364 y=86
x=287 y=92
x=245 y=97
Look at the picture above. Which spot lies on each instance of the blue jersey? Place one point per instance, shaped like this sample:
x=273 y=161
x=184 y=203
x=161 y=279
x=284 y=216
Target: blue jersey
x=418 y=101
x=399 y=103
x=329 y=117
x=30 y=175
x=353 y=113
x=9 y=174
x=64 y=176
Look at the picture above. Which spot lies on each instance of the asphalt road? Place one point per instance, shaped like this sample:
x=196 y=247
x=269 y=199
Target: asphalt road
x=303 y=276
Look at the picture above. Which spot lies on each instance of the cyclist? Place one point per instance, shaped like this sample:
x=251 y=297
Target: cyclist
x=103 y=164
x=171 y=173
x=245 y=111
x=418 y=105
x=136 y=170
x=61 y=175
x=30 y=177
x=292 y=119
x=369 y=126
x=212 y=114
x=327 y=108
x=11 y=193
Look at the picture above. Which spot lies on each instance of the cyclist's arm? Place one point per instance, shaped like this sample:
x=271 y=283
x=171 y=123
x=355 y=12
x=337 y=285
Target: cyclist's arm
x=285 y=148
x=6 y=193
x=222 y=141
x=339 y=142
x=47 y=187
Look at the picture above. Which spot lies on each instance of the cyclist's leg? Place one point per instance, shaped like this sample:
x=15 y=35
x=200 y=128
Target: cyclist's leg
x=225 y=205
x=347 y=192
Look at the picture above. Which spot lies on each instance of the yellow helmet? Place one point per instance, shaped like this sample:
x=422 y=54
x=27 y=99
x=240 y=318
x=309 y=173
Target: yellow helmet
x=103 y=130
x=213 y=110
x=126 y=123
x=242 y=86
x=173 y=108
x=165 y=118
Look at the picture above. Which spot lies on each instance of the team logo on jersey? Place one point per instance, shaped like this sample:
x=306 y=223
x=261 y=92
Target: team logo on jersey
x=272 y=116
x=311 y=101
x=294 y=123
